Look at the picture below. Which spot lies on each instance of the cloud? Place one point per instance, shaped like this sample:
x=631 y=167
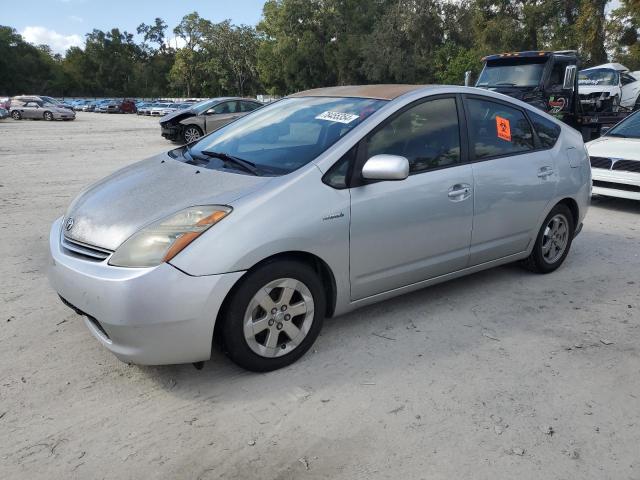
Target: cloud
x=58 y=42
x=175 y=42
x=75 y=18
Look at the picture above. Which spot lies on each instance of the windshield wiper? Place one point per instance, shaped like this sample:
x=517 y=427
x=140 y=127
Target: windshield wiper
x=510 y=84
x=244 y=164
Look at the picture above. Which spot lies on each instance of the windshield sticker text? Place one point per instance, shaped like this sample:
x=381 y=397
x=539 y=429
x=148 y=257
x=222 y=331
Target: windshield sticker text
x=337 y=117
x=503 y=128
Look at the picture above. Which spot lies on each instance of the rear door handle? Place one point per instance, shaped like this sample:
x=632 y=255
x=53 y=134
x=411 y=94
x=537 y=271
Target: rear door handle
x=545 y=172
x=459 y=192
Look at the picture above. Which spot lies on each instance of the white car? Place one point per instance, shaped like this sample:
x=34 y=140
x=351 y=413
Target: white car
x=162 y=109
x=608 y=87
x=615 y=160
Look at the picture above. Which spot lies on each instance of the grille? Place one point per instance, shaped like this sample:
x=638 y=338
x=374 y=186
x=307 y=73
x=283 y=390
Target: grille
x=627 y=166
x=88 y=252
x=616 y=186
x=600 y=162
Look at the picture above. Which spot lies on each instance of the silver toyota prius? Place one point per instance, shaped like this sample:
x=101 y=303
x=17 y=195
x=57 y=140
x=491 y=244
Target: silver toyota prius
x=310 y=207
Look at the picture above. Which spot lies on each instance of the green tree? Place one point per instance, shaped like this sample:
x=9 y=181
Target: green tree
x=187 y=73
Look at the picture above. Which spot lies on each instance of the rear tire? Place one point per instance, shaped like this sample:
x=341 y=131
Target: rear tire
x=191 y=133
x=257 y=331
x=16 y=115
x=553 y=241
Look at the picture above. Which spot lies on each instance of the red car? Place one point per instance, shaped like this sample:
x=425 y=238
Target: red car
x=121 y=106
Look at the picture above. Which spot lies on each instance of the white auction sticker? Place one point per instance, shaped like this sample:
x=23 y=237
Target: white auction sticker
x=337 y=117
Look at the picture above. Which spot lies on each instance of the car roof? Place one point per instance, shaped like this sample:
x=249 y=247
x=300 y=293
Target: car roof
x=381 y=92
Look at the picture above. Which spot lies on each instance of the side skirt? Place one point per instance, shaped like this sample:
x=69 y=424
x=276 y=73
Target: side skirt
x=432 y=281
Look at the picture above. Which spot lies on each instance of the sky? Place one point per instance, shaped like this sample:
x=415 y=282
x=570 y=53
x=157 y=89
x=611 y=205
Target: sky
x=63 y=23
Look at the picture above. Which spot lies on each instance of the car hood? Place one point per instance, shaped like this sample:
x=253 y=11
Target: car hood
x=111 y=210
x=612 y=147
x=588 y=89
x=178 y=115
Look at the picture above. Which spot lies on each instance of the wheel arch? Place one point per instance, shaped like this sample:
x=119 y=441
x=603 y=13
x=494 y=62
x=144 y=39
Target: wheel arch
x=318 y=264
x=573 y=207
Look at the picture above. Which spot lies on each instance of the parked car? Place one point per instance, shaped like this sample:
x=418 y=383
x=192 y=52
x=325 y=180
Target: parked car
x=79 y=105
x=35 y=108
x=141 y=106
x=146 y=110
x=312 y=206
x=54 y=101
x=161 y=109
x=608 y=87
x=615 y=160
x=5 y=102
x=96 y=105
x=3 y=113
x=189 y=125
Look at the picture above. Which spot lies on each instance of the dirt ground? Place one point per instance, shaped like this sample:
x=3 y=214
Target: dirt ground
x=501 y=375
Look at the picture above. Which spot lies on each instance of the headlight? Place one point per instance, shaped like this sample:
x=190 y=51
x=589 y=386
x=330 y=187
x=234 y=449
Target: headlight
x=164 y=239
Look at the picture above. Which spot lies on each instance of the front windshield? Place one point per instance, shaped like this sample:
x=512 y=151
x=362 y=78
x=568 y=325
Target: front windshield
x=282 y=137
x=599 y=76
x=628 y=128
x=512 y=73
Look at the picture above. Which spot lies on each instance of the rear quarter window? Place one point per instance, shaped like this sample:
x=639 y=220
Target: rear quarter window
x=548 y=131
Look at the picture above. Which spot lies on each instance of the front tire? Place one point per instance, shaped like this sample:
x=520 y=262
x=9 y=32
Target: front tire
x=274 y=316
x=615 y=104
x=553 y=241
x=191 y=133
x=16 y=115
x=48 y=116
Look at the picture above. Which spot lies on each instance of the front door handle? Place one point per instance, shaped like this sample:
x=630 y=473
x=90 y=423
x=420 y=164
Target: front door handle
x=459 y=192
x=545 y=172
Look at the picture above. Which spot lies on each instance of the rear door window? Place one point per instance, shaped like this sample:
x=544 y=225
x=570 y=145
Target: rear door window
x=497 y=130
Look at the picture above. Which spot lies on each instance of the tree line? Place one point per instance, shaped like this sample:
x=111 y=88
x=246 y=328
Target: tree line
x=301 y=44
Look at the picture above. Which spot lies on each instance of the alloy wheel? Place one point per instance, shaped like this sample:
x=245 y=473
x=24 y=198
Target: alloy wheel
x=48 y=116
x=16 y=115
x=555 y=238
x=278 y=317
x=191 y=134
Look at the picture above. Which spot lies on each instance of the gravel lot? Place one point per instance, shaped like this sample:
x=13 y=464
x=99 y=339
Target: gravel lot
x=500 y=375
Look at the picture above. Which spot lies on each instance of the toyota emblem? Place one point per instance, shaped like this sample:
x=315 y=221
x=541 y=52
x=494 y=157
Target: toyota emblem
x=69 y=224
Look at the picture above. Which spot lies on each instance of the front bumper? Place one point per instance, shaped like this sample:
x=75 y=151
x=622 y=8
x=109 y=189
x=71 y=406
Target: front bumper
x=616 y=183
x=148 y=316
x=172 y=133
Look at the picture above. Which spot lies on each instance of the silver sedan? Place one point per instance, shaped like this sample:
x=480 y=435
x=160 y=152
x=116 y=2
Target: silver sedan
x=310 y=207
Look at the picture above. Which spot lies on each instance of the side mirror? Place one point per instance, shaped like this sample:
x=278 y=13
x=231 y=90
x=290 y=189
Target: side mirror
x=569 y=77
x=386 y=167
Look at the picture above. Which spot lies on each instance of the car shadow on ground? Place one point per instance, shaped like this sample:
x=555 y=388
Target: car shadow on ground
x=619 y=204
x=417 y=328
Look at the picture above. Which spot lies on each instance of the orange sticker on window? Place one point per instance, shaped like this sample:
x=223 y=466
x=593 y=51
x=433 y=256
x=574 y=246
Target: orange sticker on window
x=504 y=128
